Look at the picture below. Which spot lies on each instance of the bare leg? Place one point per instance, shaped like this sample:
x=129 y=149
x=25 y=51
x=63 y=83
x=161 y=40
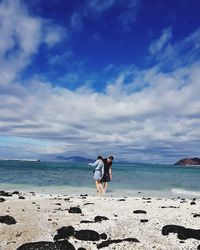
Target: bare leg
x=105 y=185
x=99 y=190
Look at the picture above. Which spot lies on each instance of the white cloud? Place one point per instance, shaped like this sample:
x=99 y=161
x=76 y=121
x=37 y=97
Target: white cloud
x=21 y=36
x=158 y=45
x=164 y=113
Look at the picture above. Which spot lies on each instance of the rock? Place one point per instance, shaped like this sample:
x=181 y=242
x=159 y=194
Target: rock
x=89 y=203
x=108 y=242
x=7 y=219
x=192 y=203
x=64 y=233
x=144 y=220
x=21 y=197
x=100 y=218
x=81 y=248
x=46 y=245
x=2 y=199
x=75 y=210
x=103 y=236
x=182 y=232
x=86 y=221
x=122 y=200
x=169 y=207
x=196 y=215
x=89 y=235
x=198 y=248
x=15 y=192
x=188 y=161
x=139 y=212
x=3 y=193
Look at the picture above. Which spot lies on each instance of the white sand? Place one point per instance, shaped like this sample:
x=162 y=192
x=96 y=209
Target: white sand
x=38 y=218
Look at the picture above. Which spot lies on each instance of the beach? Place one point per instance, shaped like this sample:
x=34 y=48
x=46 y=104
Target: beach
x=97 y=222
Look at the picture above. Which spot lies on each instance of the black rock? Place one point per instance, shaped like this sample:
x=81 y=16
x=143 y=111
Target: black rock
x=87 y=221
x=3 y=193
x=144 y=220
x=182 y=232
x=198 y=248
x=64 y=233
x=15 y=192
x=192 y=203
x=139 y=212
x=89 y=235
x=103 y=236
x=75 y=210
x=89 y=203
x=108 y=242
x=46 y=245
x=122 y=200
x=2 y=199
x=196 y=215
x=81 y=248
x=7 y=219
x=100 y=218
x=21 y=197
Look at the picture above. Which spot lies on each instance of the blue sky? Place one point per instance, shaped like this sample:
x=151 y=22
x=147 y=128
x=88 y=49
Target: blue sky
x=103 y=77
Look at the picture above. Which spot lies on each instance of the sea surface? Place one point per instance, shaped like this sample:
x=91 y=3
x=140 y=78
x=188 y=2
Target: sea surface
x=77 y=178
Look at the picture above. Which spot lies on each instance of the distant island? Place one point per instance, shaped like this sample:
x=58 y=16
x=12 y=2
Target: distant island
x=78 y=159
x=188 y=161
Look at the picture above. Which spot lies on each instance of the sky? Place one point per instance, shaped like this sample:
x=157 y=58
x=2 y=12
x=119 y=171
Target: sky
x=91 y=77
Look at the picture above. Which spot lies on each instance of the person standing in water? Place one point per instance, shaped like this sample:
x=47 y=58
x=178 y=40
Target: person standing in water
x=107 y=172
x=98 y=173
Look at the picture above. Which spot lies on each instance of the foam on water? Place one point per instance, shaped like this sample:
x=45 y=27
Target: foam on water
x=185 y=192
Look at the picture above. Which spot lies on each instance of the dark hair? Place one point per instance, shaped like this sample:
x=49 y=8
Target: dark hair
x=99 y=157
x=111 y=157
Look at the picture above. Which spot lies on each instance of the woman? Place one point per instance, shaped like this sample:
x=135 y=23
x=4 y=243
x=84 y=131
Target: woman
x=107 y=172
x=98 y=173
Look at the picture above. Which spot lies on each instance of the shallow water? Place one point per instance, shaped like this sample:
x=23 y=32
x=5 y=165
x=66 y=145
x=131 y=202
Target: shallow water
x=73 y=178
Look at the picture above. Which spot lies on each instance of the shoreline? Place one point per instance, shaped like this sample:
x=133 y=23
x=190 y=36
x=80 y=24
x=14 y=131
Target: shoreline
x=111 y=192
x=39 y=216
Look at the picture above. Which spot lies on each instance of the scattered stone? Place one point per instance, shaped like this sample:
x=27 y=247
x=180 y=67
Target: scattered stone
x=182 y=232
x=89 y=203
x=83 y=195
x=121 y=200
x=196 y=215
x=3 y=193
x=64 y=233
x=144 y=220
x=81 y=248
x=75 y=210
x=108 y=242
x=192 y=203
x=21 y=197
x=100 y=218
x=86 y=221
x=58 y=204
x=169 y=207
x=89 y=235
x=139 y=212
x=103 y=236
x=7 y=219
x=15 y=192
x=2 y=199
x=46 y=245
x=198 y=248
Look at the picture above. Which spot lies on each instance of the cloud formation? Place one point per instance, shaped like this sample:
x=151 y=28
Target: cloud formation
x=141 y=115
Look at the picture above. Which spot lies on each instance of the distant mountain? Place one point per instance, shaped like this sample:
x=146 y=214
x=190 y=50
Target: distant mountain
x=188 y=161
x=74 y=159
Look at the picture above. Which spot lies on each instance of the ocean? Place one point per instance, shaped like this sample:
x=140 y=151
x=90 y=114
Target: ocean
x=77 y=178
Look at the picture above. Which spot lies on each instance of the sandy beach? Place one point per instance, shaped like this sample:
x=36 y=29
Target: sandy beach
x=95 y=222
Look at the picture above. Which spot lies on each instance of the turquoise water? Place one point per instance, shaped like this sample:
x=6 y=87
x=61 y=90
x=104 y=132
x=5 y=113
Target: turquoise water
x=128 y=179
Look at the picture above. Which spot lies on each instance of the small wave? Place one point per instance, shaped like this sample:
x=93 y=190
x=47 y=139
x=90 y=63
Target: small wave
x=185 y=192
